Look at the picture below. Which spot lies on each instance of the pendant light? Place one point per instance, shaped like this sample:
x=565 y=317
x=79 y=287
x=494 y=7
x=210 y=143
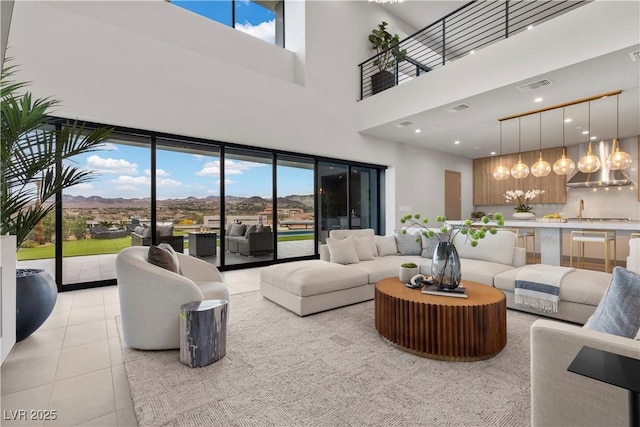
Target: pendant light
x=519 y=170
x=564 y=165
x=589 y=163
x=501 y=172
x=617 y=159
x=540 y=168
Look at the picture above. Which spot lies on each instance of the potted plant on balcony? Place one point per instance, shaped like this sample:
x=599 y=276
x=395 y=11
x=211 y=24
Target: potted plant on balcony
x=31 y=148
x=388 y=52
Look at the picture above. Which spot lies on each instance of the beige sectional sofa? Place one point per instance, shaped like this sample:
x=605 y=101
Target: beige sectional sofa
x=307 y=287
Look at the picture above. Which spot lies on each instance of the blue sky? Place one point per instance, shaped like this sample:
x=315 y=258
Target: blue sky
x=251 y=18
x=124 y=171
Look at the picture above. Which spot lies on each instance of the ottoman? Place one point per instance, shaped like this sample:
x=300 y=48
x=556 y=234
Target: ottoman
x=307 y=287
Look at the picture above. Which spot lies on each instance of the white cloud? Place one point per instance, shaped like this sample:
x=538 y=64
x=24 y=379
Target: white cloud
x=159 y=172
x=132 y=180
x=226 y=181
x=198 y=157
x=84 y=186
x=126 y=188
x=111 y=166
x=168 y=182
x=109 y=146
x=231 y=167
x=264 y=30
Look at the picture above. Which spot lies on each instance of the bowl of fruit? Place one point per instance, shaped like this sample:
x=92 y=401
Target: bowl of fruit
x=554 y=217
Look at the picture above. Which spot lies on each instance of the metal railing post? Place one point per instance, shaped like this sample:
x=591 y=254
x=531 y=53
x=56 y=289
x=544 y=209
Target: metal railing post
x=444 y=53
x=506 y=19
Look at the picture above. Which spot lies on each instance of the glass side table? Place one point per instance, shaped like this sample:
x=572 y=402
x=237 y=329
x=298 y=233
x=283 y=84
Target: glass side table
x=614 y=369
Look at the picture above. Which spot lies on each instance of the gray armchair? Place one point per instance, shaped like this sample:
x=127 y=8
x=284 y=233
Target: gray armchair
x=141 y=236
x=251 y=241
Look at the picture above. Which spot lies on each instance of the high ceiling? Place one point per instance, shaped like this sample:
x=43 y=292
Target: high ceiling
x=478 y=128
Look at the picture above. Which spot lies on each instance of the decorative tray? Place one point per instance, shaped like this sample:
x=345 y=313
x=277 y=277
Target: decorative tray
x=551 y=219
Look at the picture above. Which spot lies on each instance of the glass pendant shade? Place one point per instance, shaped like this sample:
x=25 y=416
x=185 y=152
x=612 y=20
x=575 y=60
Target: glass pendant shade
x=564 y=165
x=540 y=168
x=589 y=163
x=501 y=172
x=520 y=170
x=618 y=160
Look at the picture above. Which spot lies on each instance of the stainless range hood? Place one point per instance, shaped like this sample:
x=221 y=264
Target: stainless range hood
x=603 y=177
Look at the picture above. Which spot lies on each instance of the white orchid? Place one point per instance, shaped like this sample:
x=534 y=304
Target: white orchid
x=521 y=198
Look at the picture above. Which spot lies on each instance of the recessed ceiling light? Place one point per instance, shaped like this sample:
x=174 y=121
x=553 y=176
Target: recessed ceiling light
x=456 y=142
x=593 y=138
x=472 y=52
x=568 y=120
x=584 y=132
x=418 y=131
x=530 y=27
x=493 y=153
x=537 y=99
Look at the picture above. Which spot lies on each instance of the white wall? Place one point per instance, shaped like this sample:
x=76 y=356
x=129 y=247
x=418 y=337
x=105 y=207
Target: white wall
x=131 y=64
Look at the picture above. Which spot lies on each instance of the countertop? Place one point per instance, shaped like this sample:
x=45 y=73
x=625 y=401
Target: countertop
x=633 y=225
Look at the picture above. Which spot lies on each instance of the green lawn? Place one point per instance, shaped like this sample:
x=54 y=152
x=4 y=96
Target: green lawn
x=102 y=246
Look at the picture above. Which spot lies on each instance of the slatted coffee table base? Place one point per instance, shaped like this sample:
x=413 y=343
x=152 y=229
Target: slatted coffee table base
x=445 y=328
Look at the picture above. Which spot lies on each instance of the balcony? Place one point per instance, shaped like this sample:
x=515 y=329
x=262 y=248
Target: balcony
x=464 y=31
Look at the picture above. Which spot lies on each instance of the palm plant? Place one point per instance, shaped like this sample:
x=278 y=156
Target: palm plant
x=35 y=156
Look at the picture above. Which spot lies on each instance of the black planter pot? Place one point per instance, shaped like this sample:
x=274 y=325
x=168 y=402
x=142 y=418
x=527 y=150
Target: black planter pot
x=36 y=294
x=382 y=80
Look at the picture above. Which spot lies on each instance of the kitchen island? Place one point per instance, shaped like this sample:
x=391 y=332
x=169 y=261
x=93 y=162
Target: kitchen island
x=551 y=233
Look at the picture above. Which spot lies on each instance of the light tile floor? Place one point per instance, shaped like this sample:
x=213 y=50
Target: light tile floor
x=73 y=363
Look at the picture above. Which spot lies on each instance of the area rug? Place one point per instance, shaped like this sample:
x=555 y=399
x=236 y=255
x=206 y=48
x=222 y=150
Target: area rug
x=328 y=369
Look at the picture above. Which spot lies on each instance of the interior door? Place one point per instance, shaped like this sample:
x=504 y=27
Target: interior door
x=452 y=195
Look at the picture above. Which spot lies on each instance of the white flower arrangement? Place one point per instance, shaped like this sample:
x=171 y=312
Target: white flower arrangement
x=521 y=197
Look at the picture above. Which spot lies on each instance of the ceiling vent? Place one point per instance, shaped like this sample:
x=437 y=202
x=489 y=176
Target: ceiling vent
x=403 y=124
x=534 y=85
x=635 y=56
x=457 y=108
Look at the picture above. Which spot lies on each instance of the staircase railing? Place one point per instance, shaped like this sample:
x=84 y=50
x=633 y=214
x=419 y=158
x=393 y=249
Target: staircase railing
x=464 y=31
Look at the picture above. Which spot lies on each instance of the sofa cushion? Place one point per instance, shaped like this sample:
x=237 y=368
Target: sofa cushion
x=259 y=228
x=164 y=230
x=312 y=277
x=365 y=232
x=164 y=256
x=497 y=247
x=384 y=267
x=250 y=229
x=139 y=230
x=386 y=245
x=237 y=230
x=342 y=251
x=579 y=286
x=146 y=232
x=428 y=246
x=618 y=312
x=363 y=247
x=481 y=271
x=408 y=243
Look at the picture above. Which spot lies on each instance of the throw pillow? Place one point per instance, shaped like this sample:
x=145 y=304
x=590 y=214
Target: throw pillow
x=408 y=244
x=342 y=251
x=618 y=312
x=386 y=245
x=164 y=230
x=429 y=246
x=250 y=229
x=164 y=256
x=259 y=228
x=238 y=230
x=139 y=230
x=146 y=232
x=363 y=248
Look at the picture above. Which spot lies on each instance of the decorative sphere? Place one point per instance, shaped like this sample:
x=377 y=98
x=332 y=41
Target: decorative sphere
x=589 y=163
x=617 y=160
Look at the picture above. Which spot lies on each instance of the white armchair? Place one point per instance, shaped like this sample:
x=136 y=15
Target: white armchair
x=150 y=296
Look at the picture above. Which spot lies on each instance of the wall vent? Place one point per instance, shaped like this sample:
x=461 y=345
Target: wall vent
x=457 y=108
x=534 y=85
x=403 y=124
x=635 y=56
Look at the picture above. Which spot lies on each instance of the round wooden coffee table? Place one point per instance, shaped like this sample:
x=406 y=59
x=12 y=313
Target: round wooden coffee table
x=441 y=327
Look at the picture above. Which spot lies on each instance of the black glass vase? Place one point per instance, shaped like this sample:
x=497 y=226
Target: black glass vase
x=445 y=266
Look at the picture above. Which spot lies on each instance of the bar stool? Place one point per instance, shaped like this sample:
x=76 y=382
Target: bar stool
x=525 y=234
x=607 y=238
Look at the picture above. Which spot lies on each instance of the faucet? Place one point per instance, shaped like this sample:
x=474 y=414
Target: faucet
x=580 y=209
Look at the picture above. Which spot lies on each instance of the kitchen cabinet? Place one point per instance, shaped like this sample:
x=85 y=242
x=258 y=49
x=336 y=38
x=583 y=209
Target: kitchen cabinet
x=489 y=191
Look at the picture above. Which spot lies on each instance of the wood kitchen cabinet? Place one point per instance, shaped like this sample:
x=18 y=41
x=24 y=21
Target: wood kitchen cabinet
x=488 y=191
